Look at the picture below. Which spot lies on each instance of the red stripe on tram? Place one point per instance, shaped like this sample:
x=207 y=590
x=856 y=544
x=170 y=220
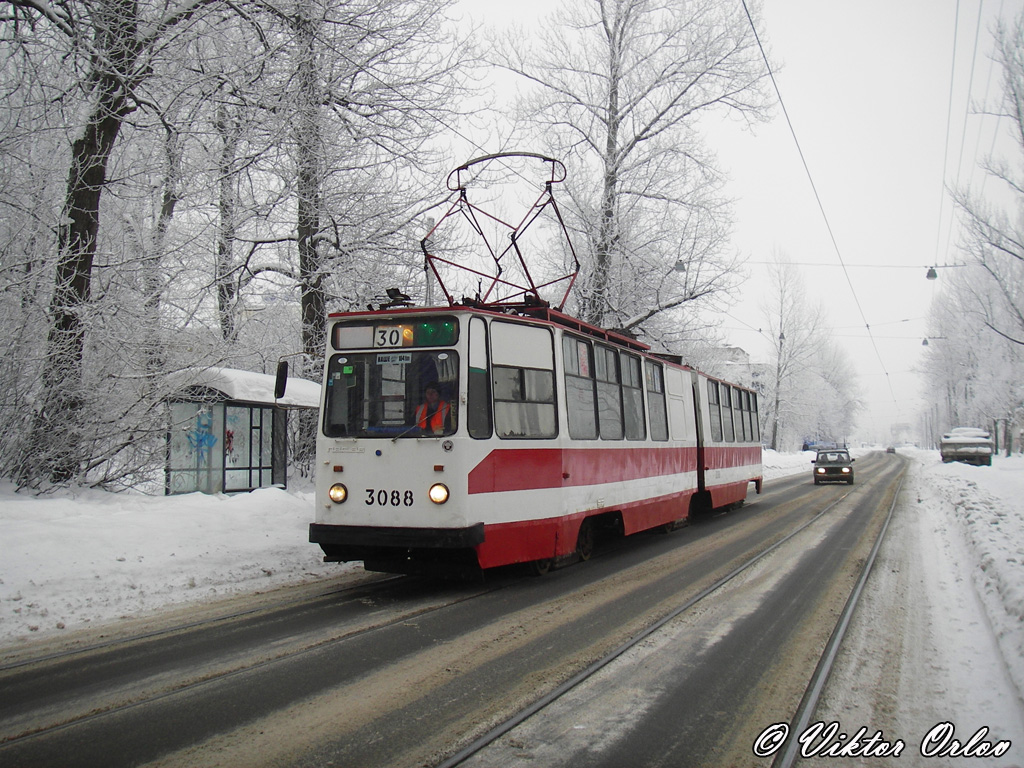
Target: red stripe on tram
x=522 y=469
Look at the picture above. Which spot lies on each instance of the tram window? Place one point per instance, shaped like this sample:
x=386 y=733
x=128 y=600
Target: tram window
x=377 y=394
x=524 y=402
x=478 y=400
x=714 y=411
x=740 y=415
x=742 y=407
x=747 y=427
x=580 y=393
x=656 y=401
x=755 y=423
x=632 y=397
x=729 y=433
x=609 y=394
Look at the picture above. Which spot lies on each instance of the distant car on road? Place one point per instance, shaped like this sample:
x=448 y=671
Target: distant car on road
x=835 y=466
x=891 y=449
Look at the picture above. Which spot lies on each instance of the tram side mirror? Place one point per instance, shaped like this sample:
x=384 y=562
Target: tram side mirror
x=281 y=383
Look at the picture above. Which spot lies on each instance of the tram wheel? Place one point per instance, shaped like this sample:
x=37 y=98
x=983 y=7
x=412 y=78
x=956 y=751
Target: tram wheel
x=540 y=567
x=585 y=541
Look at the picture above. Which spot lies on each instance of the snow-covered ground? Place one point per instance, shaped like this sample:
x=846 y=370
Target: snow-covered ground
x=77 y=560
x=984 y=506
x=74 y=560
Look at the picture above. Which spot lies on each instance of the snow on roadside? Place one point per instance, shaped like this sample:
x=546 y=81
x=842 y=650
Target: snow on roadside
x=80 y=559
x=987 y=505
x=778 y=465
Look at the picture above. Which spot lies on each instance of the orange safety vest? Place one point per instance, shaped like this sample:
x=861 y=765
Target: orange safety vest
x=436 y=418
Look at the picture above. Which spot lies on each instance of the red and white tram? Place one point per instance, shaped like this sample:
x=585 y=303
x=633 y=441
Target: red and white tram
x=545 y=431
x=499 y=430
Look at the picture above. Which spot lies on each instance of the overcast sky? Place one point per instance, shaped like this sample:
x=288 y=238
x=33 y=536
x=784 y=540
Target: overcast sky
x=885 y=109
x=881 y=109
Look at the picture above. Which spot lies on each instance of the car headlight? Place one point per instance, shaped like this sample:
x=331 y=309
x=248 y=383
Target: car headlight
x=846 y=470
x=820 y=470
x=438 y=493
x=338 y=493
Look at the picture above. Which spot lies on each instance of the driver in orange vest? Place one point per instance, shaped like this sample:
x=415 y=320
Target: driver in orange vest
x=432 y=415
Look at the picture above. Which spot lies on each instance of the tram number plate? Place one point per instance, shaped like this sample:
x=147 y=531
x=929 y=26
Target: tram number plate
x=392 y=336
x=381 y=497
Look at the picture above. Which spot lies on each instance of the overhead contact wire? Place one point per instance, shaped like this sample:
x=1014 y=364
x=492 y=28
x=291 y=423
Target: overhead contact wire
x=817 y=197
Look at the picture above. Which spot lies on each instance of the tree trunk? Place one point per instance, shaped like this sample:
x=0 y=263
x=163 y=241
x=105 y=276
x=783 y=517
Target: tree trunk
x=312 y=302
x=308 y=142
x=607 y=231
x=228 y=128
x=154 y=282
x=58 y=433
x=58 y=430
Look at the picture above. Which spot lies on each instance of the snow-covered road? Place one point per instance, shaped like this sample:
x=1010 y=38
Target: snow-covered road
x=949 y=586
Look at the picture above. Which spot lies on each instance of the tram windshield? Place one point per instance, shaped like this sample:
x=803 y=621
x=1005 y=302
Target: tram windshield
x=408 y=393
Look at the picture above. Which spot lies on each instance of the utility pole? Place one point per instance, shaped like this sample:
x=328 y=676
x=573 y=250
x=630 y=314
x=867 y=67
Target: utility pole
x=778 y=386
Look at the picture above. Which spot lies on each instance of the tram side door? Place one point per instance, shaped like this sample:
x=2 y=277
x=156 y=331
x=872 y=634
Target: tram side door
x=698 y=421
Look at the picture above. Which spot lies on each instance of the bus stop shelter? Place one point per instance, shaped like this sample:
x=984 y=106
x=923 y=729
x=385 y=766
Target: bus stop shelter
x=227 y=432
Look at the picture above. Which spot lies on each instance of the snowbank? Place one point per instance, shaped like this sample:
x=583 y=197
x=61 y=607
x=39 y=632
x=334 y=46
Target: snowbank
x=72 y=560
x=986 y=507
x=782 y=464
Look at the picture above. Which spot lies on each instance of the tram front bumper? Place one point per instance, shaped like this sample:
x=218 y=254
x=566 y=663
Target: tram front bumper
x=354 y=539
x=400 y=550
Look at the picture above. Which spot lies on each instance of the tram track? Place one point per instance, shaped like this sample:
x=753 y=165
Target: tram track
x=809 y=702
x=40 y=692
x=111 y=638
x=495 y=733
x=434 y=665
x=816 y=684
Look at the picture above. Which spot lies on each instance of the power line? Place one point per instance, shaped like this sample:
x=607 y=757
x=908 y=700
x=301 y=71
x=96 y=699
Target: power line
x=817 y=197
x=963 y=133
x=861 y=266
x=949 y=123
x=999 y=114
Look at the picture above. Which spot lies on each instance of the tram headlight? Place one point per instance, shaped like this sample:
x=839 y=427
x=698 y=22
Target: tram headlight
x=338 y=493
x=438 y=493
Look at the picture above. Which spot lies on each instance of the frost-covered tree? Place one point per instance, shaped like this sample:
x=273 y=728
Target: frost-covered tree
x=973 y=376
x=86 y=71
x=616 y=88
x=173 y=178
x=810 y=388
x=994 y=225
x=974 y=368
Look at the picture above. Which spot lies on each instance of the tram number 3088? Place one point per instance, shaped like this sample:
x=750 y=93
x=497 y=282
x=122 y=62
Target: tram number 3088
x=388 y=498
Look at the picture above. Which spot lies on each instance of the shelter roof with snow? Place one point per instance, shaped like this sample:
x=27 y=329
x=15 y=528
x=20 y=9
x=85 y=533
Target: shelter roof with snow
x=247 y=386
